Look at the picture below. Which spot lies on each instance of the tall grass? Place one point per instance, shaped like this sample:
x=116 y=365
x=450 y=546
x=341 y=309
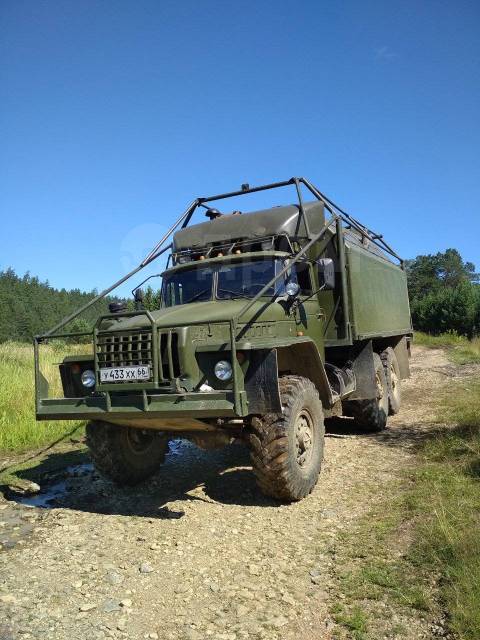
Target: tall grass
x=446 y=503
x=19 y=430
x=460 y=349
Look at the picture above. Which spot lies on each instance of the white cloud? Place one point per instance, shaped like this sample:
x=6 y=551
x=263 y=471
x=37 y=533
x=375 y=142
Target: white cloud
x=385 y=53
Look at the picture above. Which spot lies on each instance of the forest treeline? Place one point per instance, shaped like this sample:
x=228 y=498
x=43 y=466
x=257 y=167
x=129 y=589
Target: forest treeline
x=444 y=296
x=29 y=307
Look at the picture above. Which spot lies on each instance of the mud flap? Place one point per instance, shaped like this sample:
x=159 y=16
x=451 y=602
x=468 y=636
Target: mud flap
x=364 y=371
x=401 y=352
x=261 y=383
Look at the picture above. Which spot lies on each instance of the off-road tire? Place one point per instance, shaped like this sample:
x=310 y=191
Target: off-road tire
x=125 y=455
x=371 y=415
x=287 y=449
x=392 y=373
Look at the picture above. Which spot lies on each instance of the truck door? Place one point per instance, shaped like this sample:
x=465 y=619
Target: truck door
x=309 y=317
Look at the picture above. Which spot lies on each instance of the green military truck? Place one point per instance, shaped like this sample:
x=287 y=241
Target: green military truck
x=269 y=322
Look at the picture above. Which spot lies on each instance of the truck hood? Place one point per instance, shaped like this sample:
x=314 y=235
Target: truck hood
x=199 y=312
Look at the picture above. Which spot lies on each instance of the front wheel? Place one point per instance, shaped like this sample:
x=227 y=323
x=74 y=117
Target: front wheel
x=287 y=448
x=125 y=455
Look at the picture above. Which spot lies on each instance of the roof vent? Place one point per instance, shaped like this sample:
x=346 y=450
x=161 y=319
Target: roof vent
x=213 y=213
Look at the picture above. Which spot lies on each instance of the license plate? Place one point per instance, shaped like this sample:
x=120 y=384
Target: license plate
x=124 y=374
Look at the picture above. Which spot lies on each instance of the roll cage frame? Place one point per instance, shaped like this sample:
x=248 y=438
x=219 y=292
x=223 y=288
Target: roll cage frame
x=338 y=216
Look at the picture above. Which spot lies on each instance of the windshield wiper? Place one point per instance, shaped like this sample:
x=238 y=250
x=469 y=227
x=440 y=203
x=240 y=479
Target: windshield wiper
x=196 y=296
x=235 y=294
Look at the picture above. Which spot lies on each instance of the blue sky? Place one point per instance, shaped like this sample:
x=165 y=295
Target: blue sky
x=115 y=114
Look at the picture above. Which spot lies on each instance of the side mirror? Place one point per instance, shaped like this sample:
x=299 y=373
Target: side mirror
x=138 y=297
x=326 y=273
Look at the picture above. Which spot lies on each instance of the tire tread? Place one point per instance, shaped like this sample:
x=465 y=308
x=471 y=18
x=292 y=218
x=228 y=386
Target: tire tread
x=268 y=442
x=104 y=441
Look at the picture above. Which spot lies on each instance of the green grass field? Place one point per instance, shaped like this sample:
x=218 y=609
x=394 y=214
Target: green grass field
x=460 y=349
x=438 y=504
x=19 y=430
x=445 y=502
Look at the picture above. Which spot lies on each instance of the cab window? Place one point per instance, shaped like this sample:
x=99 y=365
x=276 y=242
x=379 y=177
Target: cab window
x=302 y=273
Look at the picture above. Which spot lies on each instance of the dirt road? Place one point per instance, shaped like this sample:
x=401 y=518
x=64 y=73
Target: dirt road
x=198 y=552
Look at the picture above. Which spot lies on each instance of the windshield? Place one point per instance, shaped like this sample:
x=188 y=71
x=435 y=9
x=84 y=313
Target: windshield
x=246 y=279
x=194 y=285
x=237 y=280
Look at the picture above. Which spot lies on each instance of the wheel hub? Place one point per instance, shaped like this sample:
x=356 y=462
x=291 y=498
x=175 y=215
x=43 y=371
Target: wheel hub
x=303 y=439
x=139 y=440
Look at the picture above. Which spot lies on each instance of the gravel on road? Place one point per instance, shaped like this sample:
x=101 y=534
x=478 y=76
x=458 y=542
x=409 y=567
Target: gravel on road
x=198 y=552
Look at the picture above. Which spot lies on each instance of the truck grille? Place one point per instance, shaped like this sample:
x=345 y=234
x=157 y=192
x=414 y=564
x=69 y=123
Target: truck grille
x=169 y=363
x=123 y=349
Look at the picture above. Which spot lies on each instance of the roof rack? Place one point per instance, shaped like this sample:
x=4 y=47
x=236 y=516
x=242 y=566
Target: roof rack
x=375 y=238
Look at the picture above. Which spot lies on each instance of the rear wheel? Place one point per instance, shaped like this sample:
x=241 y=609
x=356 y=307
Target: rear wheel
x=125 y=455
x=372 y=414
x=392 y=373
x=287 y=448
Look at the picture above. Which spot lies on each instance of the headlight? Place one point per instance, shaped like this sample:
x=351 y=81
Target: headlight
x=292 y=289
x=223 y=370
x=88 y=378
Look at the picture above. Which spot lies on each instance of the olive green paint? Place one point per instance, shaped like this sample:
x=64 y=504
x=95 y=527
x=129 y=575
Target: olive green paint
x=369 y=301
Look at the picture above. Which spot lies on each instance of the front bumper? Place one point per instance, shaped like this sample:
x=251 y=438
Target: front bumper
x=108 y=406
x=148 y=403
